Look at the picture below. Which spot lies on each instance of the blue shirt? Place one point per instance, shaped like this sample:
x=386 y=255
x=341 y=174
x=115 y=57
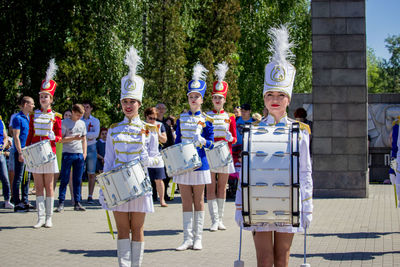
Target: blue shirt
x=239 y=124
x=1 y=134
x=21 y=123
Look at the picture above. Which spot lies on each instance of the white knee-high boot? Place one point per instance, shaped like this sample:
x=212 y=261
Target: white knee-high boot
x=198 y=229
x=49 y=211
x=221 y=206
x=187 y=231
x=40 y=212
x=213 y=209
x=398 y=195
x=137 y=249
x=124 y=252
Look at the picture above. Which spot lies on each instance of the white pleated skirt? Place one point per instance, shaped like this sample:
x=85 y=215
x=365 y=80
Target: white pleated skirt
x=227 y=169
x=50 y=167
x=265 y=227
x=141 y=204
x=193 y=178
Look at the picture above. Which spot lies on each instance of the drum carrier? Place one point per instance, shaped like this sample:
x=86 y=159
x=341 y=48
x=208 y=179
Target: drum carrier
x=270 y=175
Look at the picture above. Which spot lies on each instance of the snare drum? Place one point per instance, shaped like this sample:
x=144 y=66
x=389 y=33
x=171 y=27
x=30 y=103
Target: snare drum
x=38 y=154
x=270 y=175
x=220 y=156
x=124 y=183
x=181 y=158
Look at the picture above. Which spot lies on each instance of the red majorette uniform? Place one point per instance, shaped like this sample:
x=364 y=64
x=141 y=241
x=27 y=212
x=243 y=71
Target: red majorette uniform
x=224 y=130
x=43 y=125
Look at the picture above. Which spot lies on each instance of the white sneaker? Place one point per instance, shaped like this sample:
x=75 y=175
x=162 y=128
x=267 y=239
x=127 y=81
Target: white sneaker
x=8 y=205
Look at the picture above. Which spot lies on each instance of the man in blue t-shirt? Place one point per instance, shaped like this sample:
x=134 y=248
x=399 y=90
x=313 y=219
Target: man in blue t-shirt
x=20 y=125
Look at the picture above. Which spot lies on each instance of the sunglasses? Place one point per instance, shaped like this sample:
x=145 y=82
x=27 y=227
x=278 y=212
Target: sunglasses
x=152 y=118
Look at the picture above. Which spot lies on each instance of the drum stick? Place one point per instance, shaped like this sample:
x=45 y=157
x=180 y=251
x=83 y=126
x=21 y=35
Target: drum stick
x=172 y=191
x=239 y=263
x=305 y=264
x=109 y=225
x=395 y=195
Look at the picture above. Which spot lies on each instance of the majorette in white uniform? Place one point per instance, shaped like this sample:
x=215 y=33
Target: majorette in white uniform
x=195 y=128
x=279 y=77
x=127 y=141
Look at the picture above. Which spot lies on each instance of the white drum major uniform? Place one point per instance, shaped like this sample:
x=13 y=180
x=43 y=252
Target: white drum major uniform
x=126 y=142
x=273 y=240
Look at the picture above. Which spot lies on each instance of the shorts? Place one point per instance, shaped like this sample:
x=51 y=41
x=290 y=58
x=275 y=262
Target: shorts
x=156 y=173
x=91 y=159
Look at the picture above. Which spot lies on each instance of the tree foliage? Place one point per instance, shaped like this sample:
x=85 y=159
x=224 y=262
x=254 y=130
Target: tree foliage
x=89 y=38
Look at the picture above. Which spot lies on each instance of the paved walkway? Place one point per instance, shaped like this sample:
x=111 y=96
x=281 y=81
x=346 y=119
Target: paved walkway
x=344 y=232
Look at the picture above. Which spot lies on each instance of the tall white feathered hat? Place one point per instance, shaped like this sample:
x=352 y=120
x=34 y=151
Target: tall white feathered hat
x=279 y=73
x=132 y=85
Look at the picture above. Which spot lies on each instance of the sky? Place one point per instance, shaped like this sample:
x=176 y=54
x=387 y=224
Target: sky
x=383 y=19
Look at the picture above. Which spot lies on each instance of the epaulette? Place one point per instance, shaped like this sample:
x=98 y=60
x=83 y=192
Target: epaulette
x=59 y=115
x=208 y=118
x=396 y=122
x=150 y=127
x=305 y=126
x=112 y=126
x=232 y=115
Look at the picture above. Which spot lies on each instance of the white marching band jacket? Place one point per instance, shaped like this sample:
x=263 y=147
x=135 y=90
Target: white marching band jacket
x=306 y=182
x=127 y=141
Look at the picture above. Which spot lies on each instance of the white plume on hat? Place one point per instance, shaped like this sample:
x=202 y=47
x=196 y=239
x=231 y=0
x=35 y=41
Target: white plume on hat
x=199 y=72
x=280 y=47
x=51 y=70
x=221 y=70
x=279 y=72
x=133 y=61
x=132 y=85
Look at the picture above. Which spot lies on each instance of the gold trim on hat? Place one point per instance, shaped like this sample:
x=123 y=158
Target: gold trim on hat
x=129 y=85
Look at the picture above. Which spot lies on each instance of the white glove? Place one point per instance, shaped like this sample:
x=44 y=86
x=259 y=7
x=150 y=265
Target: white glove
x=51 y=136
x=393 y=164
x=392 y=178
x=239 y=217
x=199 y=140
x=306 y=219
x=228 y=136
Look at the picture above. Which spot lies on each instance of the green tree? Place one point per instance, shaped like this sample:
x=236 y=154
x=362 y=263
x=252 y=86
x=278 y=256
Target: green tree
x=165 y=60
x=256 y=18
x=392 y=66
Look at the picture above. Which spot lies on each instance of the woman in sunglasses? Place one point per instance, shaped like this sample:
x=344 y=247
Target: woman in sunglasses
x=156 y=173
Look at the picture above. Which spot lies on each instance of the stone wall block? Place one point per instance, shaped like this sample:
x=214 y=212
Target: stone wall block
x=356 y=60
x=348 y=43
x=349 y=146
x=321 y=77
x=329 y=26
x=321 y=145
x=319 y=9
x=357 y=128
x=357 y=163
x=355 y=25
x=329 y=60
x=339 y=128
x=322 y=128
x=357 y=94
x=348 y=77
x=321 y=43
x=347 y=9
x=329 y=94
x=322 y=111
x=329 y=163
